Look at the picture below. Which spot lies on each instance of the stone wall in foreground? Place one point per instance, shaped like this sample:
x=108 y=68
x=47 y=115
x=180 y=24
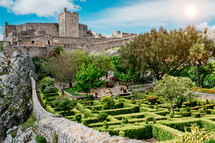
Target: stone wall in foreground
x=66 y=130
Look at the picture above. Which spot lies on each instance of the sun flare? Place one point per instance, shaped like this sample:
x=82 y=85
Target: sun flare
x=191 y=11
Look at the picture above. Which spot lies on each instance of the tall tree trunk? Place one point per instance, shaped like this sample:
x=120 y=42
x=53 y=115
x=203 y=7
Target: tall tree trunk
x=172 y=107
x=167 y=105
x=197 y=73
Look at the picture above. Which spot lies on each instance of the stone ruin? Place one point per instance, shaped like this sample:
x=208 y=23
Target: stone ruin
x=38 y=38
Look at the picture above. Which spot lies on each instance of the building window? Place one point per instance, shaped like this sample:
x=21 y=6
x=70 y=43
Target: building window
x=32 y=42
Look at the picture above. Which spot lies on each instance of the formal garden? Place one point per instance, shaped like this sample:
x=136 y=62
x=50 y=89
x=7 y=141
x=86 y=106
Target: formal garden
x=171 y=111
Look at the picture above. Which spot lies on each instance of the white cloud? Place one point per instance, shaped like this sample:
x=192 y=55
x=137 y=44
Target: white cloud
x=155 y=13
x=201 y=26
x=39 y=7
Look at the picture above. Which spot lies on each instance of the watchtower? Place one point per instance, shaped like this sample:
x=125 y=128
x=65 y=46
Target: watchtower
x=68 y=24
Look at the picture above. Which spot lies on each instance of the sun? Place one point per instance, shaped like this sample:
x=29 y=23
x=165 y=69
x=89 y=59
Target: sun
x=191 y=11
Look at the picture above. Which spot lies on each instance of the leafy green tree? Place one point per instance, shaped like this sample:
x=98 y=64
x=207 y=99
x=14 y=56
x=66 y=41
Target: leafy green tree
x=120 y=72
x=76 y=59
x=162 y=52
x=61 y=69
x=103 y=62
x=88 y=77
x=199 y=56
x=170 y=88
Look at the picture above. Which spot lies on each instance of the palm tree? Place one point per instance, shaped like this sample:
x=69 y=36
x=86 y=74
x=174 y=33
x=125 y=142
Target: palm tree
x=198 y=57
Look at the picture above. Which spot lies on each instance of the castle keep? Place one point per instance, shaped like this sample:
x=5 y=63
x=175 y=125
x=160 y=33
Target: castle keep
x=39 y=38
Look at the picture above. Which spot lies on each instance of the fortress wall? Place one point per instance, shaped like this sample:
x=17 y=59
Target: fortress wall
x=108 y=44
x=33 y=51
x=82 y=30
x=49 y=28
x=66 y=130
x=75 y=42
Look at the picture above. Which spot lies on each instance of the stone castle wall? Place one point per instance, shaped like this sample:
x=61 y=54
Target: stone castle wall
x=108 y=44
x=42 y=48
x=48 y=28
x=66 y=130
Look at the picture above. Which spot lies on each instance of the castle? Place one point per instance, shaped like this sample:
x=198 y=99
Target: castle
x=38 y=38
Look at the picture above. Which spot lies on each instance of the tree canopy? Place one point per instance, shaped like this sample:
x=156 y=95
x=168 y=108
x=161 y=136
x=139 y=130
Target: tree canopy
x=88 y=77
x=162 y=52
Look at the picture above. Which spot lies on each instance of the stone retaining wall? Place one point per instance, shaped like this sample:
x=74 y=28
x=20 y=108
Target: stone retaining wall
x=66 y=130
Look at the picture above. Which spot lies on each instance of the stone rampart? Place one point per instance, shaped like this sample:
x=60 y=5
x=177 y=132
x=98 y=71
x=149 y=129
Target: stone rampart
x=108 y=44
x=68 y=131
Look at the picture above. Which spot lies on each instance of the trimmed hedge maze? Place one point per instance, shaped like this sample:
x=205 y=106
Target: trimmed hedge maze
x=135 y=119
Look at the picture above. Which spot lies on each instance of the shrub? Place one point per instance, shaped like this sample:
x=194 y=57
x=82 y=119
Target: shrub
x=50 y=109
x=188 y=109
x=185 y=114
x=196 y=114
x=211 y=140
x=122 y=111
x=196 y=135
x=180 y=125
x=163 y=133
x=171 y=115
x=152 y=99
x=86 y=111
x=134 y=132
x=154 y=121
x=125 y=120
x=102 y=116
x=63 y=104
x=213 y=112
x=122 y=133
x=119 y=105
x=107 y=102
x=77 y=117
x=47 y=85
x=201 y=110
x=40 y=139
x=105 y=125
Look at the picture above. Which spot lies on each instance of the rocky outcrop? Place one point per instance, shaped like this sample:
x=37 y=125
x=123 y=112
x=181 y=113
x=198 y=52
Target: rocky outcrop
x=15 y=97
x=18 y=135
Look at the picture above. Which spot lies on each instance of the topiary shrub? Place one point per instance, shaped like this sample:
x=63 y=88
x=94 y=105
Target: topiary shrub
x=122 y=133
x=107 y=102
x=125 y=120
x=105 y=125
x=196 y=114
x=185 y=114
x=149 y=118
x=77 y=117
x=40 y=139
x=152 y=99
x=102 y=116
x=171 y=115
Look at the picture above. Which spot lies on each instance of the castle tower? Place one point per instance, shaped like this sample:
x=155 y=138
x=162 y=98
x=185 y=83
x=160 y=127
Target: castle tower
x=68 y=24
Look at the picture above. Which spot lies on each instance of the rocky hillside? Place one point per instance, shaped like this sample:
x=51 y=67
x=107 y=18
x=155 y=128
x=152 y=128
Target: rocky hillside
x=15 y=91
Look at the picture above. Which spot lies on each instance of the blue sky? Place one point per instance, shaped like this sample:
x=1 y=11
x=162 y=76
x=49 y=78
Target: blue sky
x=106 y=16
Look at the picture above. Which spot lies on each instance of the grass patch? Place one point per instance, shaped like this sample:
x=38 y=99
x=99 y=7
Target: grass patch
x=29 y=123
x=72 y=92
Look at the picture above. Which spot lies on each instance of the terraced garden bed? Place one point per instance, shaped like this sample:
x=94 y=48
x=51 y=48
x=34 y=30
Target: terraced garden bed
x=136 y=119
